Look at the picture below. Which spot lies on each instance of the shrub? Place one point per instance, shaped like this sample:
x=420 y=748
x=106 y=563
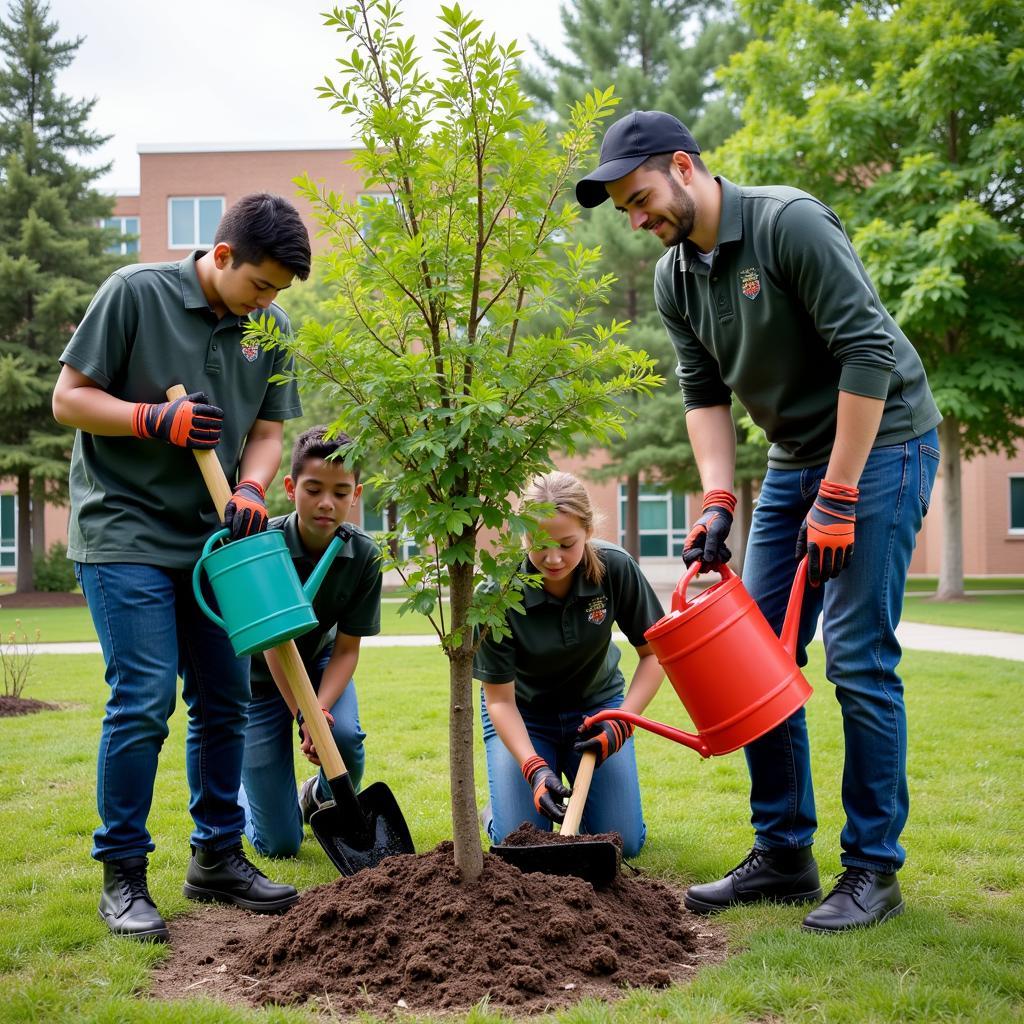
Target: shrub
x=55 y=572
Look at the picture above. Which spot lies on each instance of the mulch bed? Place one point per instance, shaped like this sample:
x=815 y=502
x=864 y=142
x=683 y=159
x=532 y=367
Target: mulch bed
x=407 y=934
x=41 y=599
x=11 y=706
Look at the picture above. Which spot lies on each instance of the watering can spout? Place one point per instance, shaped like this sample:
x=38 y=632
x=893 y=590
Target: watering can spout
x=791 y=625
x=687 y=739
x=316 y=577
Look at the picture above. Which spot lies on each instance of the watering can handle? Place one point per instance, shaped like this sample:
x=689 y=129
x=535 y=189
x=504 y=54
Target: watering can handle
x=679 y=602
x=286 y=653
x=687 y=739
x=197 y=578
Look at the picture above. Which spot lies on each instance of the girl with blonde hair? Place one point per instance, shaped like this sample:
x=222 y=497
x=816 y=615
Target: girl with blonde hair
x=558 y=665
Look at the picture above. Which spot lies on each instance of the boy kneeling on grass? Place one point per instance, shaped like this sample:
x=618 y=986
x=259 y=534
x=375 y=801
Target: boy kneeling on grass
x=347 y=606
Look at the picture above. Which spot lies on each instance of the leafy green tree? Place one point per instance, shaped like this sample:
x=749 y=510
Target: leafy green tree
x=907 y=119
x=434 y=357
x=51 y=252
x=662 y=55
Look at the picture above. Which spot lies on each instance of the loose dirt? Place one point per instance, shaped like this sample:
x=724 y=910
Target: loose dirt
x=11 y=706
x=529 y=835
x=409 y=934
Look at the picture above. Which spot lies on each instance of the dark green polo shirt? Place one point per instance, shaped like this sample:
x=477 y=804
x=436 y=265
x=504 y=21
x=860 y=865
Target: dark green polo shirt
x=786 y=317
x=560 y=652
x=348 y=599
x=149 y=326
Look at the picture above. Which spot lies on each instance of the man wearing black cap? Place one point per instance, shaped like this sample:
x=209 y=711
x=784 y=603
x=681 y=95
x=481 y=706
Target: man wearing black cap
x=763 y=296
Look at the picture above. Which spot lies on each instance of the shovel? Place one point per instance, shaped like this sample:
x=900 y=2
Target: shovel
x=596 y=861
x=356 y=830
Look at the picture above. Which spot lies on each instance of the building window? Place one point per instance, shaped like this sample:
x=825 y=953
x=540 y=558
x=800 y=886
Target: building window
x=376 y=521
x=128 y=229
x=1017 y=504
x=662 y=516
x=192 y=220
x=8 y=531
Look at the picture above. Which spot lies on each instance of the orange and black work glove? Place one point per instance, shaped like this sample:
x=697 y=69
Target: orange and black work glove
x=549 y=795
x=603 y=738
x=246 y=512
x=826 y=535
x=706 y=540
x=188 y=422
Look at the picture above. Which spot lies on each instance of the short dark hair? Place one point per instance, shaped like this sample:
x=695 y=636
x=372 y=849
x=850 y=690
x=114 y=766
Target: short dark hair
x=312 y=444
x=663 y=161
x=263 y=226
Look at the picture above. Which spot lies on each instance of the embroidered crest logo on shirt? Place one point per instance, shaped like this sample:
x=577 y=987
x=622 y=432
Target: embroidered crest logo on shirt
x=250 y=349
x=750 y=282
x=597 y=611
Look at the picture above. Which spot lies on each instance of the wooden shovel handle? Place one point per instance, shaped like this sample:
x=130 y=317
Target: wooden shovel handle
x=286 y=654
x=580 y=789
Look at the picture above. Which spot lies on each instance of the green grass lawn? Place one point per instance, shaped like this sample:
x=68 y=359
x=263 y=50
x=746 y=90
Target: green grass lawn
x=930 y=584
x=956 y=955
x=65 y=625
x=984 y=611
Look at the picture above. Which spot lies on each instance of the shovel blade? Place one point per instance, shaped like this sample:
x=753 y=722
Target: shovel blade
x=596 y=862
x=359 y=831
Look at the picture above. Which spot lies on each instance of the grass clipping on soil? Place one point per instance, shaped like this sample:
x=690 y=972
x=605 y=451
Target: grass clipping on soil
x=406 y=933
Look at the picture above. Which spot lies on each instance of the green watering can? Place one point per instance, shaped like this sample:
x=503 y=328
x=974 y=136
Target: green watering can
x=258 y=590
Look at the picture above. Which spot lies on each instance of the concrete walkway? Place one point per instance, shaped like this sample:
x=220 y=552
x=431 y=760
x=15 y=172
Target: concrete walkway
x=914 y=636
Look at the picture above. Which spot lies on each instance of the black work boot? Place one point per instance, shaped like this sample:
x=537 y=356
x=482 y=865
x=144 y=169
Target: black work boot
x=126 y=906
x=861 y=897
x=227 y=876
x=780 y=876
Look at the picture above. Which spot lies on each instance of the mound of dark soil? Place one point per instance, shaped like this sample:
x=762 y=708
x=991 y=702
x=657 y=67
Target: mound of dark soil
x=529 y=835
x=10 y=706
x=407 y=933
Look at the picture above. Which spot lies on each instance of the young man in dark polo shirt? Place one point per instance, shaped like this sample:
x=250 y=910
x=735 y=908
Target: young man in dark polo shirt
x=763 y=296
x=347 y=606
x=140 y=513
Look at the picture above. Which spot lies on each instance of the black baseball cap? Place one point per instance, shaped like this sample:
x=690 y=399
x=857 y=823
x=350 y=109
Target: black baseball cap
x=627 y=144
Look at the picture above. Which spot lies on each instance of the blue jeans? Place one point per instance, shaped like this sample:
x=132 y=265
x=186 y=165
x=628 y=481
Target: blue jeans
x=613 y=804
x=862 y=608
x=151 y=630
x=273 y=821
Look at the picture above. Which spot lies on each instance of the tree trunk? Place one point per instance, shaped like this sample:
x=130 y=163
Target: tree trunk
x=469 y=852
x=632 y=523
x=741 y=528
x=951 y=571
x=38 y=518
x=24 y=578
x=392 y=521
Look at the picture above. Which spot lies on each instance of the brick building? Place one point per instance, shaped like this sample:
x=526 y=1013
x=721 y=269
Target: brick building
x=183 y=191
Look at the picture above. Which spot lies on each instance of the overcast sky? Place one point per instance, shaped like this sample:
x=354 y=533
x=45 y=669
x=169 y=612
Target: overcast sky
x=181 y=71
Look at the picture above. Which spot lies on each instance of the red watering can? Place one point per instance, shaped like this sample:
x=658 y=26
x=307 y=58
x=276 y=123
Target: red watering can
x=735 y=677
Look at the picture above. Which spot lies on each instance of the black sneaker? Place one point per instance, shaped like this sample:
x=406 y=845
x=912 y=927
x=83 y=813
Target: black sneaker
x=227 y=876
x=861 y=898
x=308 y=799
x=763 y=876
x=126 y=906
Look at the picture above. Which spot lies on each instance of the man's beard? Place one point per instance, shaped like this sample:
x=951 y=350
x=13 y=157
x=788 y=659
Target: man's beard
x=683 y=212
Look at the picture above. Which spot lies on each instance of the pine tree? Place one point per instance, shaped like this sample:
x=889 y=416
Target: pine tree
x=51 y=251
x=659 y=55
